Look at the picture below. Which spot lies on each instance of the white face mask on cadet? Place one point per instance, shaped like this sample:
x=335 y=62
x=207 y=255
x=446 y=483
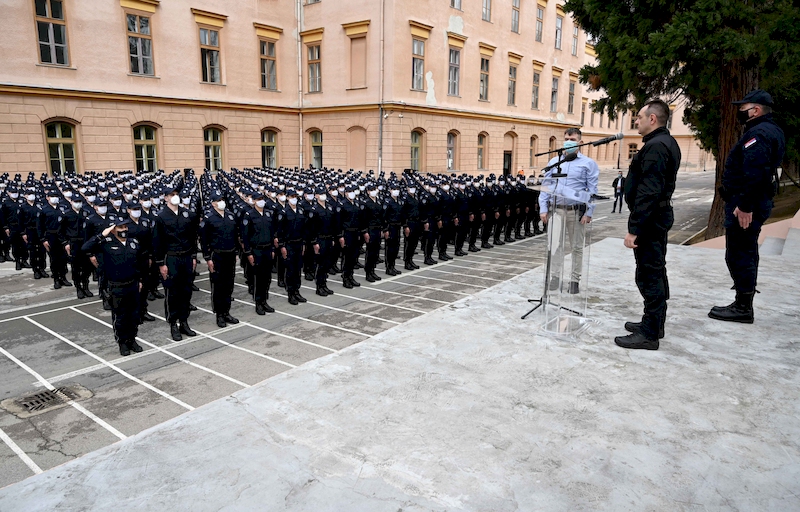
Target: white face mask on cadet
x=309 y=197
x=128 y=197
x=175 y=200
x=395 y=193
x=282 y=198
x=156 y=201
x=220 y=205
x=146 y=204
x=117 y=203
x=30 y=197
x=135 y=214
x=373 y=193
x=412 y=190
x=77 y=205
x=67 y=194
x=351 y=195
x=53 y=200
x=186 y=200
x=334 y=193
x=101 y=210
x=293 y=201
x=260 y=203
x=322 y=198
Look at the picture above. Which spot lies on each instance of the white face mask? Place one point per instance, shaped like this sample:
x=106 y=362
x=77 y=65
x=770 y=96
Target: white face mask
x=185 y=200
x=82 y=190
x=103 y=194
x=445 y=187
x=476 y=184
x=351 y=195
x=462 y=186
x=67 y=194
x=30 y=197
x=412 y=190
x=135 y=214
x=260 y=203
x=13 y=195
x=117 y=203
x=112 y=189
x=140 y=187
x=91 y=198
x=373 y=193
x=53 y=200
x=395 y=193
x=101 y=210
x=175 y=200
x=361 y=188
x=273 y=195
x=156 y=201
x=322 y=198
x=293 y=201
x=334 y=192
x=309 y=197
x=501 y=183
x=220 y=205
x=282 y=198
x=128 y=197
x=281 y=186
x=433 y=190
x=146 y=204
x=77 y=205
x=341 y=190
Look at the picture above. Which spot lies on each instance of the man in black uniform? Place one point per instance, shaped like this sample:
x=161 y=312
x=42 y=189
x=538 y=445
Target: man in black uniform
x=95 y=224
x=648 y=193
x=119 y=257
x=48 y=225
x=350 y=217
x=374 y=224
x=141 y=229
x=28 y=215
x=259 y=227
x=394 y=221
x=292 y=235
x=219 y=238
x=174 y=248
x=323 y=230
x=11 y=205
x=73 y=234
x=412 y=227
x=749 y=182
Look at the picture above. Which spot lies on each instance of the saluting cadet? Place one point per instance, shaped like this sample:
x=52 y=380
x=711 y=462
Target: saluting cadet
x=49 y=228
x=260 y=240
x=292 y=235
x=219 y=236
x=141 y=229
x=119 y=257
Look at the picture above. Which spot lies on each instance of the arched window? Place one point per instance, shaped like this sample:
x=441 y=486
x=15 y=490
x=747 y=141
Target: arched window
x=144 y=148
x=552 y=145
x=452 y=151
x=316 y=149
x=416 y=150
x=269 y=149
x=481 y=151
x=534 y=140
x=213 y=149
x=61 y=148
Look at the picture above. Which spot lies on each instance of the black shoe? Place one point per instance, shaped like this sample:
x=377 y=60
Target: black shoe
x=444 y=257
x=391 y=272
x=221 y=322
x=538 y=232
x=86 y=290
x=376 y=276
x=80 y=293
x=229 y=319
x=309 y=276
x=459 y=252
x=106 y=304
x=430 y=261
x=347 y=283
x=416 y=267
x=282 y=283
x=396 y=272
x=135 y=347
x=175 y=331
x=509 y=240
x=25 y=264
x=192 y=307
x=614 y=211
x=519 y=236
x=151 y=296
x=293 y=299
x=321 y=292
x=19 y=266
x=354 y=282
x=260 y=309
x=37 y=274
x=56 y=284
x=331 y=272
x=158 y=294
x=637 y=327
x=497 y=241
x=528 y=234
x=336 y=269
x=370 y=278
x=486 y=245
x=732 y=313
x=358 y=265
x=473 y=248
x=327 y=290
x=147 y=317
x=123 y=349
x=408 y=266
x=636 y=341
x=574 y=288
x=65 y=282
x=185 y=329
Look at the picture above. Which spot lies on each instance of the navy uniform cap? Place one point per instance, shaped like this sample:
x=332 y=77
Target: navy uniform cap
x=215 y=195
x=758 y=96
x=291 y=192
x=114 y=220
x=258 y=195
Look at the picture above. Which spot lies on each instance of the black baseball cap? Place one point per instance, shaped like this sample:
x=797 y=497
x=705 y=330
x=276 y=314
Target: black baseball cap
x=757 y=96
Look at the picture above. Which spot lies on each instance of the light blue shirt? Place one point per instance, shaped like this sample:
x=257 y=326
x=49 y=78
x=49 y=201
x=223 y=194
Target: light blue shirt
x=583 y=174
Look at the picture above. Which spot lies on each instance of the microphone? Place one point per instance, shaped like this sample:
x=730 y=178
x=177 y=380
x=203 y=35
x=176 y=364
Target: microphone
x=600 y=142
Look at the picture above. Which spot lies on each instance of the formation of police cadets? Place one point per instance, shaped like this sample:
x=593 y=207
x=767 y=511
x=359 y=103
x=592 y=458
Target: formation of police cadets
x=133 y=233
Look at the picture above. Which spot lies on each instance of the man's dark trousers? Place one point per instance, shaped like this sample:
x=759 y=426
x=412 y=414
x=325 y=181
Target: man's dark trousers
x=741 y=246
x=651 y=272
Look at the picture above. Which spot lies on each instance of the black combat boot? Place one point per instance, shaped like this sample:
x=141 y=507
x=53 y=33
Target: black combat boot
x=635 y=341
x=637 y=327
x=741 y=310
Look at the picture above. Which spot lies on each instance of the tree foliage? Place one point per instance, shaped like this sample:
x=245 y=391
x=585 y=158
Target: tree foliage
x=708 y=52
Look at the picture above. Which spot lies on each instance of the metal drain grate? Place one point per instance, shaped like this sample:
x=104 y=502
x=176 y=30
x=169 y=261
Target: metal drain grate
x=44 y=401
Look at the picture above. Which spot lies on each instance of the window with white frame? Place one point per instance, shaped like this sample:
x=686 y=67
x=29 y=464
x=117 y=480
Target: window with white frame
x=512 y=85
x=269 y=65
x=144 y=148
x=571 y=99
x=418 y=64
x=535 y=96
x=575 y=40
x=51 y=27
x=316 y=149
x=269 y=149
x=486 y=11
x=484 y=85
x=559 y=30
x=515 y=16
x=539 y=23
x=61 y=148
x=554 y=96
x=140 y=44
x=455 y=4
x=454 y=73
x=416 y=150
x=314 y=69
x=209 y=55
x=481 y=150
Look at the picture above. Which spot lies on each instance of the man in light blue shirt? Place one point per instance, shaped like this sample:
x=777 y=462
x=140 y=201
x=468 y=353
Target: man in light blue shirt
x=582 y=176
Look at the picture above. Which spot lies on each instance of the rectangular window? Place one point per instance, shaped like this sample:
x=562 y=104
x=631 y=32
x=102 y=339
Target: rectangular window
x=583 y=114
x=591 y=118
x=554 y=96
x=632 y=150
x=633 y=120
x=52 y=31
x=616 y=122
x=574 y=40
x=571 y=101
x=559 y=29
x=308 y=2
x=144 y=145
x=484 y=85
x=269 y=149
x=140 y=44
x=669 y=120
x=539 y=24
x=515 y=16
x=455 y=69
x=314 y=69
x=209 y=55
x=269 y=66
x=535 y=100
x=609 y=120
x=358 y=62
x=418 y=65
x=455 y=4
x=486 y=12
x=512 y=85
x=316 y=150
x=481 y=150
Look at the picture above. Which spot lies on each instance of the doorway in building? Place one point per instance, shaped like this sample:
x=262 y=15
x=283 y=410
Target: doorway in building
x=507 y=159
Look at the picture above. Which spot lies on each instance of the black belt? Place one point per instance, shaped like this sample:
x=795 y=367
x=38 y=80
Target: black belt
x=396 y=224
x=325 y=237
x=121 y=284
x=176 y=253
x=664 y=204
x=223 y=251
x=352 y=229
x=263 y=247
x=569 y=207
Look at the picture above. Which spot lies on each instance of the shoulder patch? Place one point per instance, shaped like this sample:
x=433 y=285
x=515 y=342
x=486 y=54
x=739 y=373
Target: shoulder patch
x=108 y=239
x=280 y=216
x=338 y=209
x=750 y=142
x=60 y=218
x=245 y=222
x=230 y=217
x=133 y=244
x=186 y=214
x=203 y=223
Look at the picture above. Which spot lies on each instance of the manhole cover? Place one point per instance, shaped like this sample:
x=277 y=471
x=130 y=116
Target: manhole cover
x=43 y=401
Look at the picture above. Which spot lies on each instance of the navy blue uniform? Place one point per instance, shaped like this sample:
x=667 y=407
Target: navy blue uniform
x=175 y=246
x=27 y=216
x=73 y=233
x=373 y=221
x=259 y=232
x=142 y=231
x=351 y=230
x=219 y=235
x=411 y=220
x=323 y=231
x=49 y=230
x=293 y=236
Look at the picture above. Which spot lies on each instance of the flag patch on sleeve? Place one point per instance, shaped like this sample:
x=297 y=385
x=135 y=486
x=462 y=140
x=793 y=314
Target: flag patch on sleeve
x=750 y=142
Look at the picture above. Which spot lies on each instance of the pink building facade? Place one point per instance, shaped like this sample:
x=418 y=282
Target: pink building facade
x=474 y=86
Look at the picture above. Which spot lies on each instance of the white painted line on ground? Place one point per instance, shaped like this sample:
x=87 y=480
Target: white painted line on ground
x=170 y=354
x=112 y=366
x=407 y=273
x=500 y=261
x=447 y=281
x=463 y=275
x=72 y=403
x=390 y=292
x=22 y=317
x=506 y=273
x=312 y=303
x=692 y=199
x=340 y=294
x=21 y=454
x=430 y=288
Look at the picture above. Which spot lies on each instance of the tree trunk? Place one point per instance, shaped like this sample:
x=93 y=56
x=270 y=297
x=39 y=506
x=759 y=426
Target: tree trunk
x=741 y=79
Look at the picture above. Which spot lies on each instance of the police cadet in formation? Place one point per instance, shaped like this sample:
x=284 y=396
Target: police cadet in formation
x=96 y=223
x=429 y=216
x=259 y=234
x=462 y=215
x=648 y=194
x=477 y=212
x=141 y=228
x=749 y=182
x=175 y=249
x=323 y=228
x=49 y=227
x=412 y=225
x=393 y=218
x=292 y=237
x=351 y=231
x=219 y=240
x=373 y=223
x=12 y=202
x=74 y=228
x=309 y=256
x=491 y=212
x=28 y=216
x=119 y=257
x=447 y=220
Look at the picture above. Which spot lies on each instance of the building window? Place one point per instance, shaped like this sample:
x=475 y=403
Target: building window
x=583 y=114
x=61 y=148
x=52 y=29
x=455 y=4
x=455 y=69
x=314 y=70
x=269 y=149
x=481 y=150
x=213 y=149
x=316 y=149
x=554 y=96
x=535 y=100
x=632 y=150
x=418 y=65
x=144 y=148
x=416 y=150
x=486 y=12
x=633 y=120
x=539 y=24
x=308 y=2
x=616 y=122
x=512 y=85
x=571 y=101
x=140 y=44
x=358 y=62
x=515 y=16
x=608 y=120
x=574 y=40
x=484 y=85
x=269 y=67
x=559 y=29
x=591 y=117
x=452 y=151
x=209 y=55
x=534 y=140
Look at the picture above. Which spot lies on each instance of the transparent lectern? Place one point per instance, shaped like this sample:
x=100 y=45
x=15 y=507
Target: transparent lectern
x=566 y=277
